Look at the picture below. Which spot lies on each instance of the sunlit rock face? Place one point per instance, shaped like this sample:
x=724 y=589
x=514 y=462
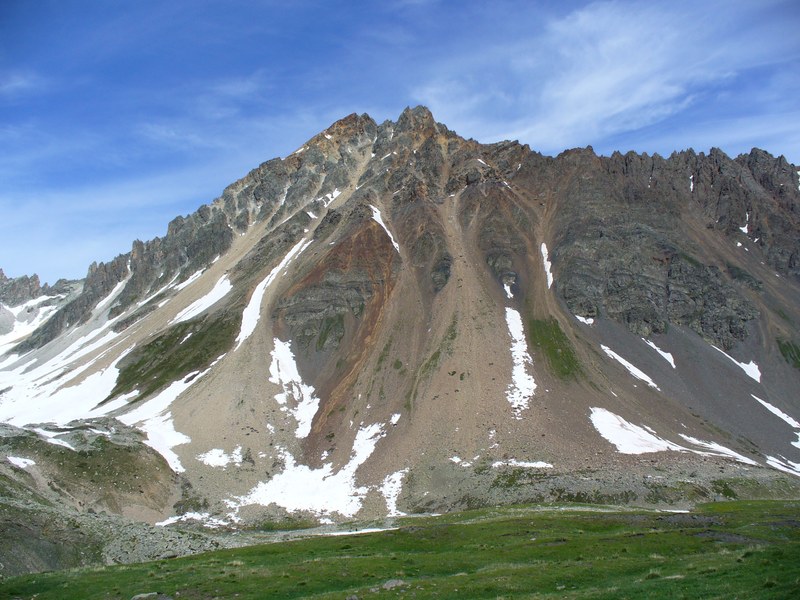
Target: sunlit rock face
x=394 y=320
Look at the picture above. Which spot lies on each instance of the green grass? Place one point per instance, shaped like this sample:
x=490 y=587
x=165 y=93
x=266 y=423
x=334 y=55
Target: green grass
x=791 y=352
x=548 y=338
x=180 y=350
x=737 y=549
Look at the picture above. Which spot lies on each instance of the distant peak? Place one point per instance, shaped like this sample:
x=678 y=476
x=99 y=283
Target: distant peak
x=417 y=118
x=351 y=125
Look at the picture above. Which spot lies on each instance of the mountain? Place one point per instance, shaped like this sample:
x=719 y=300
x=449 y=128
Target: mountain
x=394 y=319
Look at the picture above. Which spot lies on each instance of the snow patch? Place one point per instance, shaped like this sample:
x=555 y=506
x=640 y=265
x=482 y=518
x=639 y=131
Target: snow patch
x=27 y=318
x=778 y=412
x=783 y=464
x=719 y=450
x=665 y=355
x=585 y=320
x=633 y=439
x=162 y=437
x=190 y=280
x=217 y=293
x=507 y=289
x=327 y=199
x=746 y=224
x=627 y=437
x=547 y=264
x=153 y=419
x=20 y=463
x=750 y=368
x=395 y=419
x=521 y=463
x=112 y=295
x=157 y=293
x=390 y=488
x=205 y=518
x=319 y=491
x=783 y=416
x=50 y=438
x=252 y=311
x=691 y=183
x=283 y=372
x=40 y=396
x=632 y=369
x=376 y=215
x=217 y=457
x=522 y=386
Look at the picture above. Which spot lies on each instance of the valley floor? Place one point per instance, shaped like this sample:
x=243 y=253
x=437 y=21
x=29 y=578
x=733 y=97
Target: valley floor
x=719 y=550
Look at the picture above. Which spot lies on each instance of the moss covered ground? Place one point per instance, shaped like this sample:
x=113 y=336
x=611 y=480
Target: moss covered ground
x=547 y=336
x=723 y=550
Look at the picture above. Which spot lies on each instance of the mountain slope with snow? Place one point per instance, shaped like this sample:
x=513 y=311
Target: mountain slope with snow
x=395 y=319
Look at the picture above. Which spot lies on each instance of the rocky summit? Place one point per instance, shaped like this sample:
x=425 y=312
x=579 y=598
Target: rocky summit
x=396 y=320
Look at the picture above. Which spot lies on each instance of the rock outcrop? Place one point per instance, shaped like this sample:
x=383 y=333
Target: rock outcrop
x=397 y=319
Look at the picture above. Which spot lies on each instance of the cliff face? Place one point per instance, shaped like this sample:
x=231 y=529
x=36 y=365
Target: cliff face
x=400 y=319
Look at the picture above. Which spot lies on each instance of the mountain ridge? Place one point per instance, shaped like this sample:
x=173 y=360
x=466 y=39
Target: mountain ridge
x=396 y=319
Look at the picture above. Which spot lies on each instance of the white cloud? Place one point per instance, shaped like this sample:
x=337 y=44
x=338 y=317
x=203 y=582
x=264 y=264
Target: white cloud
x=609 y=68
x=128 y=145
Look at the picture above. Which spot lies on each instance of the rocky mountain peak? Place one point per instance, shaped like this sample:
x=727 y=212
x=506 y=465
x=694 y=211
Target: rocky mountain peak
x=351 y=126
x=418 y=119
x=17 y=290
x=404 y=320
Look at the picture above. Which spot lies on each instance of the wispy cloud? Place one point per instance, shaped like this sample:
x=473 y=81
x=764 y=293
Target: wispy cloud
x=606 y=69
x=18 y=84
x=96 y=222
x=185 y=97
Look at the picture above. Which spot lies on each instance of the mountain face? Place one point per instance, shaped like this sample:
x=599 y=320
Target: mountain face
x=394 y=319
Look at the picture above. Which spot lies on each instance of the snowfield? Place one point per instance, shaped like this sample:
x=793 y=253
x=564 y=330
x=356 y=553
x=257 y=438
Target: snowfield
x=153 y=418
x=633 y=439
x=27 y=318
x=283 y=372
x=627 y=437
x=252 y=311
x=21 y=463
x=547 y=265
x=217 y=293
x=319 y=491
x=750 y=368
x=522 y=386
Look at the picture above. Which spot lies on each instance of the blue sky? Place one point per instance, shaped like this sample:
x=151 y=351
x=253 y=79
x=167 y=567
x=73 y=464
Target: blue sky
x=117 y=116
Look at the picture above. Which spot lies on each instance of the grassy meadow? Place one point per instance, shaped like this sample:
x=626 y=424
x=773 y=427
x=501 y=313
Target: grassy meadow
x=721 y=550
